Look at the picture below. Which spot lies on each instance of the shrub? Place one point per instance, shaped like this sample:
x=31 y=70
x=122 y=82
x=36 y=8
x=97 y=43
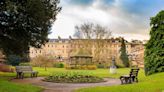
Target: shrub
x=6 y=68
x=73 y=77
x=13 y=60
x=58 y=65
x=91 y=67
x=67 y=67
x=83 y=67
x=25 y=64
x=100 y=66
x=120 y=66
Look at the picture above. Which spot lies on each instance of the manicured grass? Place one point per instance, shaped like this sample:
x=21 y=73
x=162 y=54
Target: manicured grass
x=98 y=72
x=7 y=86
x=153 y=83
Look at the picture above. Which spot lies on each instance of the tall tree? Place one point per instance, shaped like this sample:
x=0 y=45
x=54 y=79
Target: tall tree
x=92 y=31
x=25 y=23
x=154 y=52
x=96 y=36
x=123 y=56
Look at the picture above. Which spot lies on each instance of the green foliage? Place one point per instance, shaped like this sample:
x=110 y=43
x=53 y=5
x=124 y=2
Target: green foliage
x=104 y=65
x=58 y=65
x=120 y=66
x=73 y=77
x=154 y=53
x=25 y=23
x=14 y=60
x=82 y=67
x=100 y=66
x=124 y=56
x=24 y=64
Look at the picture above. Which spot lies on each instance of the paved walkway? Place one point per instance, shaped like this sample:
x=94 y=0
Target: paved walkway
x=64 y=87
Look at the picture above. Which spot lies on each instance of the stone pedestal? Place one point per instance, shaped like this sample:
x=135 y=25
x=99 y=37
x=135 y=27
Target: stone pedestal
x=113 y=70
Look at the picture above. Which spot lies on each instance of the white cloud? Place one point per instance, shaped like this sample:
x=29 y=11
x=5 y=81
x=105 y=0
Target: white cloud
x=120 y=22
x=63 y=26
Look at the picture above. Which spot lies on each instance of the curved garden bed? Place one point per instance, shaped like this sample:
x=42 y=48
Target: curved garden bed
x=73 y=77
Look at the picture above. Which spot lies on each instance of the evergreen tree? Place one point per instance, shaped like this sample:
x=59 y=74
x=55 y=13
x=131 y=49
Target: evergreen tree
x=124 y=57
x=154 y=52
x=25 y=23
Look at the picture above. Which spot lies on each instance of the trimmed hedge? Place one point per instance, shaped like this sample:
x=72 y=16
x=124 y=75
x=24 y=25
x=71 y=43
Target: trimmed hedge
x=58 y=65
x=83 y=67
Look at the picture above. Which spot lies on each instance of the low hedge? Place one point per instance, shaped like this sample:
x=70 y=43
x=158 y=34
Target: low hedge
x=6 y=68
x=83 y=67
x=58 y=65
x=25 y=64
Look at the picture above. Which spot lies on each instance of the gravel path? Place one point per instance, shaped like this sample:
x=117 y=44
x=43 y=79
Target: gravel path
x=64 y=87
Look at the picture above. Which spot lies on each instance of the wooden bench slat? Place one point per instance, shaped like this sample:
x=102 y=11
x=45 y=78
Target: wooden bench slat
x=21 y=70
x=132 y=77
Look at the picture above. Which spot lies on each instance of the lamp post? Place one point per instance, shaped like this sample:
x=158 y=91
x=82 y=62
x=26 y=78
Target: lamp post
x=113 y=66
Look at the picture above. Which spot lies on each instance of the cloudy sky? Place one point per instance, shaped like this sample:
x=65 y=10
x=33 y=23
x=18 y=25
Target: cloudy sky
x=127 y=18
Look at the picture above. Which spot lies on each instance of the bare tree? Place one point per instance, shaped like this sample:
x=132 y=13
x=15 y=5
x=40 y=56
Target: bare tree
x=43 y=61
x=91 y=31
x=84 y=31
x=96 y=37
x=101 y=32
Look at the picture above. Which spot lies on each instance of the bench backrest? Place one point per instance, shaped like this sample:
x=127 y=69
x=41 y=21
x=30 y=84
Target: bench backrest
x=134 y=72
x=23 y=68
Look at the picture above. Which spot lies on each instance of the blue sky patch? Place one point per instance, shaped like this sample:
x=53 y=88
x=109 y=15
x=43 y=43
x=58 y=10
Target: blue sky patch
x=81 y=2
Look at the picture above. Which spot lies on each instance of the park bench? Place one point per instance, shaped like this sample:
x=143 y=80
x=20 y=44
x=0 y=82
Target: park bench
x=21 y=70
x=132 y=77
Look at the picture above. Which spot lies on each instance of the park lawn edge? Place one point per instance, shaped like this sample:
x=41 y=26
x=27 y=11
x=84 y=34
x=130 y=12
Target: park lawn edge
x=153 y=83
x=7 y=86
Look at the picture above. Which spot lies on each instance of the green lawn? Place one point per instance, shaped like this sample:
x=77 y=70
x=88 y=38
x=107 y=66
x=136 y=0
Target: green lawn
x=153 y=83
x=7 y=86
x=98 y=72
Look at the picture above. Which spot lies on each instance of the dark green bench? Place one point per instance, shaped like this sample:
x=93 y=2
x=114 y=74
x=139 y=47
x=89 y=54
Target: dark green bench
x=132 y=77
x=21 y=70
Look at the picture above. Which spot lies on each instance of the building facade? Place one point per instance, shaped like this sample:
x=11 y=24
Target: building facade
x=103 y=50
x=58 y=48
x=137 y=55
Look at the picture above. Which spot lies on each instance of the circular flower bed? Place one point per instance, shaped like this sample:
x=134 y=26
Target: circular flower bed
x=73 y=77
